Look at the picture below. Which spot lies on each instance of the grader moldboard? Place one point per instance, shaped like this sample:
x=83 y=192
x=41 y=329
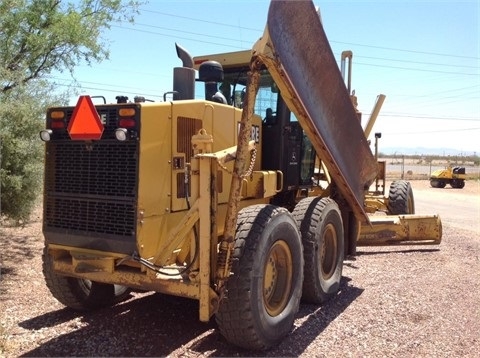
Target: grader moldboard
x=206 y=199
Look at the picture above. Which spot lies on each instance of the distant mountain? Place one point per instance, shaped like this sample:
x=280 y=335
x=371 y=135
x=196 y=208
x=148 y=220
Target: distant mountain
x=425 y=151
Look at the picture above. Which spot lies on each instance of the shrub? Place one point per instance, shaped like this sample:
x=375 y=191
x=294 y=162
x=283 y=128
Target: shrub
x=21 y=155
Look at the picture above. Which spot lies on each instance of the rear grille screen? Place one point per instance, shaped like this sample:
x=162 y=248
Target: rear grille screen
x=90 y=216
x=91 y=189
x=109 y=169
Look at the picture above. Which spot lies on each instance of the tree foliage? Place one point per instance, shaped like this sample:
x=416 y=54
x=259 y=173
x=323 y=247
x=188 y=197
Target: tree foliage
x=38 y=37
x=21 y=151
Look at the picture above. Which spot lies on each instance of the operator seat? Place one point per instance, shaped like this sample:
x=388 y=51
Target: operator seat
x=219 y=98
x=269 y=117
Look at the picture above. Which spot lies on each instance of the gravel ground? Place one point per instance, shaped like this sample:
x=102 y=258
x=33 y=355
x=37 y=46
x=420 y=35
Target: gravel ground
x=404 y=301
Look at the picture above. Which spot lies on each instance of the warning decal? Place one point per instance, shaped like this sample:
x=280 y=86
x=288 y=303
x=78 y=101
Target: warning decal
x=85 y=123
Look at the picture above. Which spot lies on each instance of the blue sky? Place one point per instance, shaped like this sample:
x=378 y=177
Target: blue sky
x=423 y=55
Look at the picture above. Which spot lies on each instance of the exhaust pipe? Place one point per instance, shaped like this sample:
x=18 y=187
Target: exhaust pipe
x=183 y=77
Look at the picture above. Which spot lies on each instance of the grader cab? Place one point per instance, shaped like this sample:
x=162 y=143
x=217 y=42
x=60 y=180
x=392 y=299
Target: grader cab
x=222 y=200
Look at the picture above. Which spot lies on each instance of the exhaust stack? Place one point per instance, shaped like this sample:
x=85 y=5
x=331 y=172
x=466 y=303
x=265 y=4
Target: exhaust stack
x=183 y=77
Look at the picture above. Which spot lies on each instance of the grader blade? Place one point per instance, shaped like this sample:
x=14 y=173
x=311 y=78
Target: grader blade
x=296 y=52
x=401 y=230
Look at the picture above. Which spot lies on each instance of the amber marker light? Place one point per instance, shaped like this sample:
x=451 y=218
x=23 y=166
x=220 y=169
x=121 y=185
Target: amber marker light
x=57 y=115
x=126 y=118
x=126 y=112
x=57 y=119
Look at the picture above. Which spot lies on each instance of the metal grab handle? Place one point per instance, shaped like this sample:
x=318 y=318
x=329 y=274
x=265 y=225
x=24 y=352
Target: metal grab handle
x=279 y=174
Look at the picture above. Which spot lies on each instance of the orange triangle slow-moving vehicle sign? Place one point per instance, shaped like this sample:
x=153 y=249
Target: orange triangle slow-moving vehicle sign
x=85 y=123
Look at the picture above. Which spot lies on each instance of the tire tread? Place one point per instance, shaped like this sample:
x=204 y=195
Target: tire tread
x=235 y=318
x=399 y=196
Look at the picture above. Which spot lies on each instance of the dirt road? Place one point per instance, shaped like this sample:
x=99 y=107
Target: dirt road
x=459 y=208
x=406 y=301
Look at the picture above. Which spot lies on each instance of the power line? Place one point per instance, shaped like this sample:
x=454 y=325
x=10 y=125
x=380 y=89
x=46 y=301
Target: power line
x=258 y=30
x=95 y=83
x=118 y=90
x=242 y=48
x=201 y=20
x=418 y=69
x=331 y=41
x=409 y=51
x=178 y=37
x=417 y=62
x=183 y=31
x=420 y=116
x=433 y=131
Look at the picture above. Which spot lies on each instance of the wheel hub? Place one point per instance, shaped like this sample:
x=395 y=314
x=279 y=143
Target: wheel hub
x=277 y=279
x=328 y=252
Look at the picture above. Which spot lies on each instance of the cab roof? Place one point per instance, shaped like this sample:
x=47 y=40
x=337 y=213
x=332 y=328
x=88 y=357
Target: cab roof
x=227 y=59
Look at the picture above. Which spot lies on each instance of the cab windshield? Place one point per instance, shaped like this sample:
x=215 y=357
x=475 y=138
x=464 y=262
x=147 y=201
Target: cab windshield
x=234 y=85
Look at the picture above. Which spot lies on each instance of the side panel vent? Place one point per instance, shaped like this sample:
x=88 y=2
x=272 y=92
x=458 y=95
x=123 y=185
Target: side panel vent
x=186 y=128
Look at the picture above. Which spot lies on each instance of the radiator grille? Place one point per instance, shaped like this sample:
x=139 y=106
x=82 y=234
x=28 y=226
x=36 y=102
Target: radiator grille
x=108 y=169
x=91 y=190
x=90 y=216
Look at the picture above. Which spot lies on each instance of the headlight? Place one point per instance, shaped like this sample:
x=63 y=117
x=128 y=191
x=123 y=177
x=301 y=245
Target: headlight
x=121 y=134
x=45 y=135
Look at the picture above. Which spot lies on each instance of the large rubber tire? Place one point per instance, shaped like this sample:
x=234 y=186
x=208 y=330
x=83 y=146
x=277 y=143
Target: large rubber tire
x=263 y=294
x=400 y=198
x=80 y=294
x=438 y=183
x=457 y=183
x=321 y=229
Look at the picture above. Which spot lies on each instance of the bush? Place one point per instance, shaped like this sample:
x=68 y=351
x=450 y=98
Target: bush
x=21 y=155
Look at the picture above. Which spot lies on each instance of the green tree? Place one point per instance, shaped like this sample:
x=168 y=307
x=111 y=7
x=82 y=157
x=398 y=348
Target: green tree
x=38 y=37
x=22 y=155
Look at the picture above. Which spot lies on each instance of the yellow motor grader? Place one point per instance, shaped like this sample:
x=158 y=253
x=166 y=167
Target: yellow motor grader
x=220 y=199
